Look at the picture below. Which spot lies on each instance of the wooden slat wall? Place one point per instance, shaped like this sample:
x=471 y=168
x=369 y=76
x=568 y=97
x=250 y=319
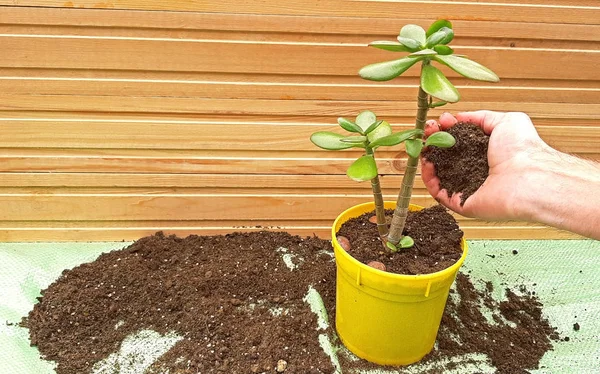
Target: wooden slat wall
x=126 y=117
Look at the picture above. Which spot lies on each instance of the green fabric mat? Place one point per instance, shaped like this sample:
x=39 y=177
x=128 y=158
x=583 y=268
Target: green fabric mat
x=564 y=273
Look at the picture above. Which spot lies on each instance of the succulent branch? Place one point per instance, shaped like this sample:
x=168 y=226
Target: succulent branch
x=425 y=47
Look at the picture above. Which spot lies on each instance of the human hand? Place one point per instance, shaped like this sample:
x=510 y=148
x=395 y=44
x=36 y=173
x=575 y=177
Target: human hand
x=514 y=149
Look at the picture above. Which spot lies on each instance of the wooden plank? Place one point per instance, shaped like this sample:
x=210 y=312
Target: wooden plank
x=522 y=40
x=77 y=161
x=235 y=136
x=205 y=181
x=44 y=234
x=80 y=52
x=483 y=11
x=299 y=108
x=181 y=207
x=324 y=90
x=275 y=164
x=94 y=22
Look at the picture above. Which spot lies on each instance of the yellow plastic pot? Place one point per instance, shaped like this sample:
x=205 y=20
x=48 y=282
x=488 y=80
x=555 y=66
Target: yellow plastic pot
x=385 y=318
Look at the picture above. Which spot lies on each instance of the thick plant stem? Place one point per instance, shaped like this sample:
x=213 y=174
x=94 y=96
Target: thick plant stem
x=399 y=218
x=382 y=226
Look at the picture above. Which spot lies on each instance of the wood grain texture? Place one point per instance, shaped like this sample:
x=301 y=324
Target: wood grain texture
x=530 y=11
x=123 y=118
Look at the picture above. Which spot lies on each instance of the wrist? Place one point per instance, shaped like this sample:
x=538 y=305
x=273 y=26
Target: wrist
x=559 y=191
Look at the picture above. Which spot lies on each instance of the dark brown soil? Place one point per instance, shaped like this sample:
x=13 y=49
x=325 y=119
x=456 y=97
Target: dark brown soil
x=435 y=232
x=463 y=167
x=203 y=288
x=511 y=349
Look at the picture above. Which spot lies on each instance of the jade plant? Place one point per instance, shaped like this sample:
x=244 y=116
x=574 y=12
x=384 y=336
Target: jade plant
x=427 y=47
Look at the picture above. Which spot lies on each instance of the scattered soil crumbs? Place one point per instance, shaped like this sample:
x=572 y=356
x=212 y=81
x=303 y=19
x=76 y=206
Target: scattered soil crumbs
x=463 y=167
x=435 y=232
x=219 y=293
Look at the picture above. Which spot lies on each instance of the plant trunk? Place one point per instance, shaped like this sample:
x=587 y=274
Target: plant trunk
x=382 y=226
x=401 y=212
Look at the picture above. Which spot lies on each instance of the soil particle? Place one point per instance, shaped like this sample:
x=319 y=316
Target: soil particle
x=219 y=293
x=463 y=167
x=435 y=232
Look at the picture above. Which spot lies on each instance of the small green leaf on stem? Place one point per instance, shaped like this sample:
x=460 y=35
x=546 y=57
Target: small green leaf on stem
x=442 y=36
x=396 y=138
x=437 y=104
x=468 y=68
x=437 y=25
x=392 y=247
x=413 y=32
x=410 y=44
x=406 y=242
x=389 y=46
x=363 y=169
x=329 y=140
x=413 y=147
x=424 y=52
x=382 y=130
x=359 y=139
x=437 y=85
x=384 y=71
x=440 y=139
x=349 y=125
x=443 y=50
x=365 y=119
x=373 y=127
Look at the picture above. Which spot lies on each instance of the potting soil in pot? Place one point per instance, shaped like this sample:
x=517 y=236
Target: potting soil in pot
x=239 y=304
x=435 y=232
x=464 y=166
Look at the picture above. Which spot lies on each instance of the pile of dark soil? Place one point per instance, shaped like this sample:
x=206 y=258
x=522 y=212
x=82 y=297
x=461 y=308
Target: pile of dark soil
x=435 y=232
x=218 y=292
x=463 y=167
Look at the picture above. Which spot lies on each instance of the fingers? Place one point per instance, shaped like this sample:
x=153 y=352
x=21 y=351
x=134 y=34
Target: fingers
x=431 y=127
x=447 y=120
x=485 y=119
x=431 y=181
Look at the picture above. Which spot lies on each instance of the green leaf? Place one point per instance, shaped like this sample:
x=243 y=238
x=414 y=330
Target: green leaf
x=382 y=130
x=359 y=139
x=437 y=85
x=329 y=140
x=438 y=104
x=442 y=36
x=384 y=71
x=365 y=119
x=413 y=147
x=413 y=32
x=349 y=125
x=363 y=169
x=410 y=44
x=424 y=52
x=443 y=50
x=468 y=68
x=440 y=139
x=372 y=127
x=389 y=46
x=406 y=242
x=396 y=138
x=392 y=247
x=437 y=25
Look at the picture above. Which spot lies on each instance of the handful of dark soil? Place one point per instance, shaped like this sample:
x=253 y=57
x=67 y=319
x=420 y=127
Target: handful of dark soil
x=463 y=167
